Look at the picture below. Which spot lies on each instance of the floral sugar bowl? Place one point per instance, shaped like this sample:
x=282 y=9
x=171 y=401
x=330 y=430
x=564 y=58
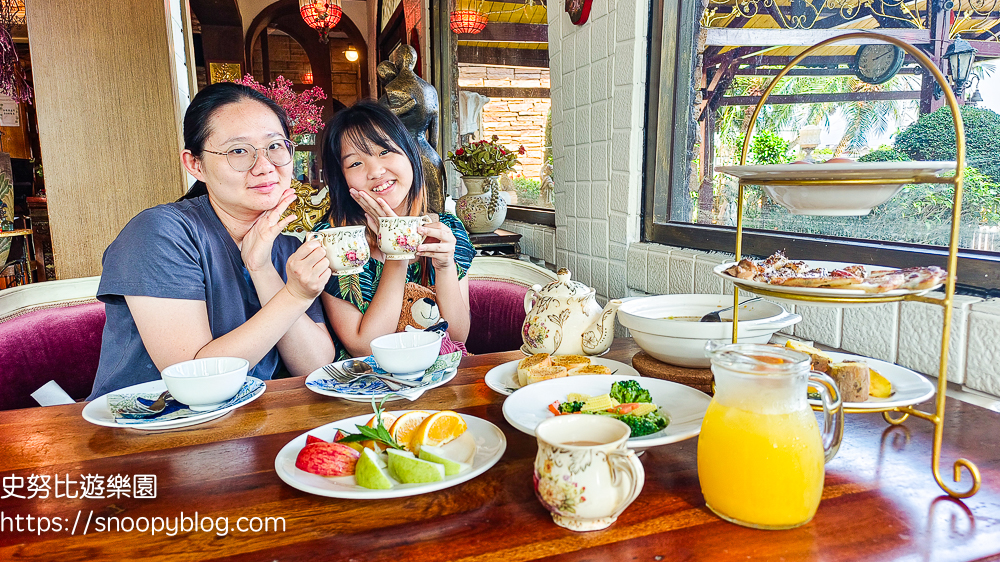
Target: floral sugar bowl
x=563 y=318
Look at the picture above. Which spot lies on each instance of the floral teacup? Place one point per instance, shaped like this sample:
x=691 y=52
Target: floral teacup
x=584 y=474
x=346 y=248
x=398 y=237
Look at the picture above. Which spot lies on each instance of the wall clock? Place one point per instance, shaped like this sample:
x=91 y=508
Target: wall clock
x=578 y=10
x=878 y=62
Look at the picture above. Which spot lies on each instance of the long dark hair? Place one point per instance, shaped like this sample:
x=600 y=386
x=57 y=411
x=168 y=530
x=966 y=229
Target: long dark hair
x=199 y=114
x=365 y=124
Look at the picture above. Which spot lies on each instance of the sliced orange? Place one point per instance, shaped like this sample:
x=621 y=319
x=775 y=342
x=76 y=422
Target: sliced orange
x=438 y=429
x=387 y=421
x=402 y=429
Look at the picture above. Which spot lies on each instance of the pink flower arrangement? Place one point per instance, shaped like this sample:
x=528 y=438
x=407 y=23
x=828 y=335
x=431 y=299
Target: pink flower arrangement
x=303 y=114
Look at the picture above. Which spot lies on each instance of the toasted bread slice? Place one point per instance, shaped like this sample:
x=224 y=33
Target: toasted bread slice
x=570 y=361
x=536 y=360
x=591 y=370
x=538 y=374
x=820 y=359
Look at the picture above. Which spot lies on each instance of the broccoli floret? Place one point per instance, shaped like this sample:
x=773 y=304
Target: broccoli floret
x=626 y=392
x=644 y=425
x=570 y=407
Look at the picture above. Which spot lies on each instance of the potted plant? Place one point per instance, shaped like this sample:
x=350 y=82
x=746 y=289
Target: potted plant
x=481 y=163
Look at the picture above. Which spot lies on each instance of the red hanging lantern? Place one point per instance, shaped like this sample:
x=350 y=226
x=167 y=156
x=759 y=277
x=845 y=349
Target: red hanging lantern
x=467 y=21
x=307 y=78
x=321 y=15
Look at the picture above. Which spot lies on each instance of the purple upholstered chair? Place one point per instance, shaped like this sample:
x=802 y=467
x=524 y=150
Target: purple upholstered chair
x=496 y=300
x=56 y=342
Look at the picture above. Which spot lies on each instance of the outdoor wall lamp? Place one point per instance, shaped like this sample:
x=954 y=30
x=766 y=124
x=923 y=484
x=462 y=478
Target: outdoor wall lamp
x=960 y=55
x=351 y=53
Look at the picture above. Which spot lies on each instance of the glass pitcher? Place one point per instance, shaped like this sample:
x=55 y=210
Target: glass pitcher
x=761 y=455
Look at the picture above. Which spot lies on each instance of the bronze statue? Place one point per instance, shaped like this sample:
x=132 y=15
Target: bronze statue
x=415 y=102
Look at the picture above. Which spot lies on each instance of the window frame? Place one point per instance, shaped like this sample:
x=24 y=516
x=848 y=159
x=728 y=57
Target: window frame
x=668 y=158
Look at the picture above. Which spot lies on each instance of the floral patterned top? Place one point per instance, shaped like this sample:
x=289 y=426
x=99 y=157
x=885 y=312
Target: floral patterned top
x=359 y=289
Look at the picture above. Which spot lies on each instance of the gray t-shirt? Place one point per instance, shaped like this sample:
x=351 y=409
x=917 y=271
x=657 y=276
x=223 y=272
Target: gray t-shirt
x=177 y=251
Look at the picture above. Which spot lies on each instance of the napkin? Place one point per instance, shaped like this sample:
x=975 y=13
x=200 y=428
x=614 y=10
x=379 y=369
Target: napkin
x=371 y=386
x=133 y=408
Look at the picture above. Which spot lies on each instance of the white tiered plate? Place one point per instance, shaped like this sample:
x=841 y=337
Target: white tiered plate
x=750 y=285
x=908 y=387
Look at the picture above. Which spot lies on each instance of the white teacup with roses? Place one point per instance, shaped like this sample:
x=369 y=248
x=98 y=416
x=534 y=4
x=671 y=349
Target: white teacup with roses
x=398 y=238
x=346 y=248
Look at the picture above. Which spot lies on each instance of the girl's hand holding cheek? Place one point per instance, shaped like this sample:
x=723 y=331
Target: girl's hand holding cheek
x=256 y=245
x=374 y=208
x=439 y=244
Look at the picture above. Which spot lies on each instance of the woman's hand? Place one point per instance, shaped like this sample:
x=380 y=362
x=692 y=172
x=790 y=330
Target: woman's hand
x=308 y=270
x=374 y=208
x=256 y=245
x=439 y=244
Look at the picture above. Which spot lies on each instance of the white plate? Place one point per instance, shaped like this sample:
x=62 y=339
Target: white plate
x=750 y=285
x=97 y=412
x=908 y=387
x=836 y=198
x=833 y=172
x=483 y=442
x=503 y=378
x=319 y=374
x=683 y=405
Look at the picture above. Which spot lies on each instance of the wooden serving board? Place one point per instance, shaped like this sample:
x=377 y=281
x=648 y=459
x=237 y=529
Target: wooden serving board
x=648 y=366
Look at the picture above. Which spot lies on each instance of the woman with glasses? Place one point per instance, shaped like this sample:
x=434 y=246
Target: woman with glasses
x=209 y=275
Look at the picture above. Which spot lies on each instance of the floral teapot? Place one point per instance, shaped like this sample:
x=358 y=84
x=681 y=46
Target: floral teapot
x=563 y=318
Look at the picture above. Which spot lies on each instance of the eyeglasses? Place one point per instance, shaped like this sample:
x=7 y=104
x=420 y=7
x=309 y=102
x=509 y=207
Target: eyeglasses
x=243 y=157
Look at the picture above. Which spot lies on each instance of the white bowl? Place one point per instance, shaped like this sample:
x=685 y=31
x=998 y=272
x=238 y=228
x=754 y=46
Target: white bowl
x=658 y=325
x=207 y=383
x=406 y=354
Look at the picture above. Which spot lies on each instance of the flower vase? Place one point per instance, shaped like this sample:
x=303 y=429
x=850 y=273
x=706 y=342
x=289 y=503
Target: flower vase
x=482 y=209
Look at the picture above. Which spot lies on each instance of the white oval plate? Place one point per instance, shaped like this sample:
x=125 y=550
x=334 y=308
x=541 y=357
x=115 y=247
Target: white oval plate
x=413 y=394
x=834 y=172
x=97 y=412
x=683 y=405
x=482 y=444
x=503 y=378
x=750 y=285
x=908 y=387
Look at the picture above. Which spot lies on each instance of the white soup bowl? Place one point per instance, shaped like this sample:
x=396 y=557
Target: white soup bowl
x=406 y=354
x=206 y=383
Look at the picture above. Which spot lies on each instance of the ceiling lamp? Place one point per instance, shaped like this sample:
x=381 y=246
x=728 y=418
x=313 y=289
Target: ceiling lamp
x=307 y=78
x=467 y=21
x=321 y=15
x=351 y=53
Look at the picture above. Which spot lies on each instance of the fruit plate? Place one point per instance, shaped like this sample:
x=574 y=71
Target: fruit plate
x=482 y=445
x=503 y=377
x=683 y=405
x=750 y=285
x=908 y=387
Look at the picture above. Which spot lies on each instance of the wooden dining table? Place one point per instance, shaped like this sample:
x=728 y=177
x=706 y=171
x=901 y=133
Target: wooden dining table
x=880 y=501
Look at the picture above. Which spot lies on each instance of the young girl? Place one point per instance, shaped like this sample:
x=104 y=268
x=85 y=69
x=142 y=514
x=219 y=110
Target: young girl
x=372 y=168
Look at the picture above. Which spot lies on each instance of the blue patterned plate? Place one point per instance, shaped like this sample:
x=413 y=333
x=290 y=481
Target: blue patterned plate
x=365 y=389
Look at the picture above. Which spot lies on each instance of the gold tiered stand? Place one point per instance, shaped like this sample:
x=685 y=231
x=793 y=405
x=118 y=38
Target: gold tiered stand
x=937 y=417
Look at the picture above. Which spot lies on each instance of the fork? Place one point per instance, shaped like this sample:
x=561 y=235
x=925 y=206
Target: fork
x=342 y=377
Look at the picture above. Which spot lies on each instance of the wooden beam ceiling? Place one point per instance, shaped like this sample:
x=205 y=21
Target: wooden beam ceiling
x=510 y=33
x=533 y=58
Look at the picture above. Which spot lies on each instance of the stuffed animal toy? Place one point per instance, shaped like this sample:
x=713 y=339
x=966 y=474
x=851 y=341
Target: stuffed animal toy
x=420 y=310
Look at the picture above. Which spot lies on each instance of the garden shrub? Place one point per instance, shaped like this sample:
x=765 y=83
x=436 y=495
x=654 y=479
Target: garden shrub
x=932 y=137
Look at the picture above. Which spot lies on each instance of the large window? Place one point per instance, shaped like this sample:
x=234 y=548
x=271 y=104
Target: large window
x=708 y=69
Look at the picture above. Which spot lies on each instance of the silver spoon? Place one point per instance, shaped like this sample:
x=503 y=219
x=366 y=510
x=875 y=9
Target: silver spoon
x=714 y=316
x=362 y=369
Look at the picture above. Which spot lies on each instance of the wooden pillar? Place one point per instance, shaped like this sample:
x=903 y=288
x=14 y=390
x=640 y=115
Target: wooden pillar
x=108 y=120
x=940 y=24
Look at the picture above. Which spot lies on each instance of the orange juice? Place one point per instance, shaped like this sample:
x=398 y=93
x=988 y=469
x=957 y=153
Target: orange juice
x=762 y=469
